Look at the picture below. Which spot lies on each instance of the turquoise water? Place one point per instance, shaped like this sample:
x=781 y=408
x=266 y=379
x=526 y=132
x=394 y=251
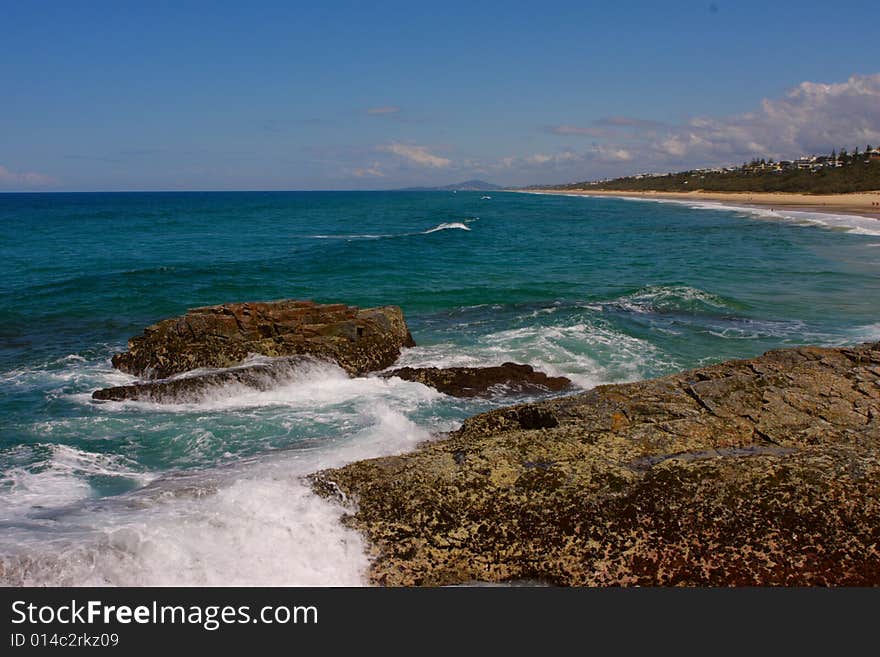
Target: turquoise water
x=600 y=290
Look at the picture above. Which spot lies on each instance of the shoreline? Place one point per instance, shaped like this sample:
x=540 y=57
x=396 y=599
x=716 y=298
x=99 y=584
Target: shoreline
x=858 y=203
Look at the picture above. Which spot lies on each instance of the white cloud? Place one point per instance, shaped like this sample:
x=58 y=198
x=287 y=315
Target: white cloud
x=596 y=153
x=383 y=110
x=29 y=179
x=812 y=117
x=611 y=153
x=372 y=171
x=556 y=158
x=538 y=159
x=419 y=155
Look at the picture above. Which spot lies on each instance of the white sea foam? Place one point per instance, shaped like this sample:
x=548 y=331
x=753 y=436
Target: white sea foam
x=668 y=297
x=70 y=371
x=255 y=523
x=313 y=386
x=453 y=225
x=867 y=333
x=449 y=226
x=59 y=479
x=852 y=223
x=589 y=353
x=663 y=308
x=252 y=521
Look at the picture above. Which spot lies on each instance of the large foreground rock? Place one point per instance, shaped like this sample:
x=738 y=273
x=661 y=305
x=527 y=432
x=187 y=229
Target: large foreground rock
x=507 y=378
x=360 y=341
x=753 y=472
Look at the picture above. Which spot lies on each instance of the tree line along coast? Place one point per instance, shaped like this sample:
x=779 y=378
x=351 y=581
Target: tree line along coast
x=839 y=172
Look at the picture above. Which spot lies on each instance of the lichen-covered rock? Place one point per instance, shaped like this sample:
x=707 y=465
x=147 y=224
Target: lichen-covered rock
x=360 y=341
x=508 y=378
x=751 y=472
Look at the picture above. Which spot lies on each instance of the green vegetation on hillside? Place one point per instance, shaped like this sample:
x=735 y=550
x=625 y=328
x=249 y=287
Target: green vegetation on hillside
x=834 y=174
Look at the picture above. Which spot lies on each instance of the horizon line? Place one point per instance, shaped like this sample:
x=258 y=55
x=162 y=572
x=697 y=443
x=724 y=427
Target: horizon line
x=238 y=191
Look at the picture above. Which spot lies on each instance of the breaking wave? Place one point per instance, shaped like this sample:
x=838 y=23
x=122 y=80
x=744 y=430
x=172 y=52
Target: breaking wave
x=454 y=225
x=450 y=226
x=246 y=518
x=671 y=299
x=57 y=475
x=584 y=348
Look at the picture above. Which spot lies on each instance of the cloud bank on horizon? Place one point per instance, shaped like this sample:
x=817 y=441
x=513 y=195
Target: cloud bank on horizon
x=24 y=180
x=812 y=117
x=418 y=155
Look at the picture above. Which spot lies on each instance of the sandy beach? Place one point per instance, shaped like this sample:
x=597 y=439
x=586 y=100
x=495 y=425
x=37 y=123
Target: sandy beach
x=866 y=204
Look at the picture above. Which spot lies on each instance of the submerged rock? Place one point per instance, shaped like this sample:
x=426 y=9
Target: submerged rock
x=480 y=381
x=750 y=472
x=262 y=375
x=360 y=341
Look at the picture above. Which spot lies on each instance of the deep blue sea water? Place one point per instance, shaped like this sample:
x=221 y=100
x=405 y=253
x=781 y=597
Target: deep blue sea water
x=598 y=289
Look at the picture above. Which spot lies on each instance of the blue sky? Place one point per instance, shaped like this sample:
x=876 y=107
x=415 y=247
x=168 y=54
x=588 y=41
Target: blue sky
x=355 y=95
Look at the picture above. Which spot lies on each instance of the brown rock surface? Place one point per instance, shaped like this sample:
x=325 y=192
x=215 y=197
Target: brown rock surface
x=479 y=381
x=751 y=472
x=360 y=341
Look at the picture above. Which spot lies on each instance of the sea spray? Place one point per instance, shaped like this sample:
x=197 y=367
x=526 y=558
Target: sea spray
x=255 y=522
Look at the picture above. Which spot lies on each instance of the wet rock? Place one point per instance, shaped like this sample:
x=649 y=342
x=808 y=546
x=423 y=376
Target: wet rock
x=360 y=341
x=750 y=472
x=509 y=378
x=263 y=375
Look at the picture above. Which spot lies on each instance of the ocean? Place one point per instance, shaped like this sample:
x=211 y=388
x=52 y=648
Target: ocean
x=601 y=290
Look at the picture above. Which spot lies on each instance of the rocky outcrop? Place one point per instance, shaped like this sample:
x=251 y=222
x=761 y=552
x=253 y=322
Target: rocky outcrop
x=508 y=378
x=751 y=472
x=263 y=375
x=360 y=341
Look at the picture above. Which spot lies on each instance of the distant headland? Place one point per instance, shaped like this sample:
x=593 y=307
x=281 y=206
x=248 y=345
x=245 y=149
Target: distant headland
x=466 y=186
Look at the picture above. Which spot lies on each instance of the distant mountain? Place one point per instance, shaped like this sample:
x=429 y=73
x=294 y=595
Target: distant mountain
x=466 y=186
